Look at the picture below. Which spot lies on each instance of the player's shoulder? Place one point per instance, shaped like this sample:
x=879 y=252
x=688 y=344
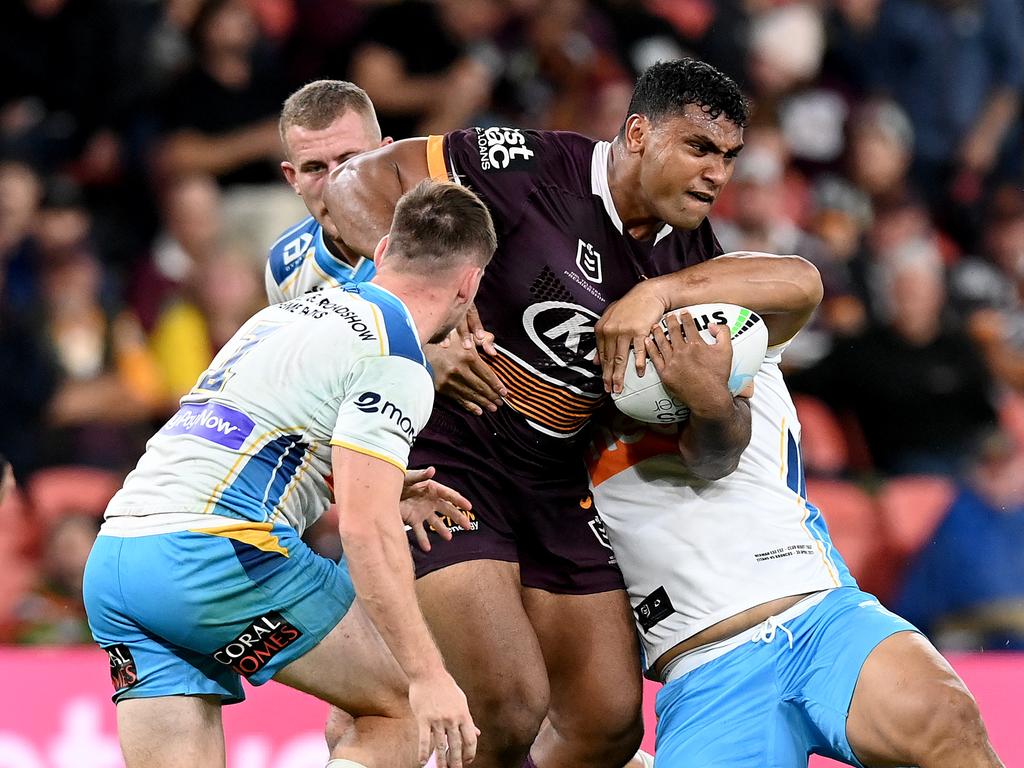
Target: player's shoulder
x=394 y=324
x=287 y=251
x=695 y=245
x=558 y=157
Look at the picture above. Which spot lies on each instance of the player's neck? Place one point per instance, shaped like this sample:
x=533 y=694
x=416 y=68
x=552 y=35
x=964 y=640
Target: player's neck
x=340 y=252
x=638 y=221
x=425 y=303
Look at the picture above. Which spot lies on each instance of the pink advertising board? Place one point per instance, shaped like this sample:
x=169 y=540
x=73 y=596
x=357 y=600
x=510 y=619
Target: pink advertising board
x=55 y=712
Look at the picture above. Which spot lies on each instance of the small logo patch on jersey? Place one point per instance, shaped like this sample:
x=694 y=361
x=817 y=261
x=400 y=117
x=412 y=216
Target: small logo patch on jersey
x=502 y=149
x=655 y=607
x=370 y=402
x=599 y=531
x=296 y=248
x=123 y=672
x=258 y=643
x=589 y=261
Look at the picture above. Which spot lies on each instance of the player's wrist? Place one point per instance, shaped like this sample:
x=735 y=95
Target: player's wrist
x=716 y=406
x=658 y=291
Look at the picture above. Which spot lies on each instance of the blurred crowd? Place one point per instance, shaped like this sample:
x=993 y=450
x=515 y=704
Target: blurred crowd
x=140 y=190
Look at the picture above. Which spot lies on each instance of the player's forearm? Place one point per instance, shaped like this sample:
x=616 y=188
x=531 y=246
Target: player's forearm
x=195 y=152
x=785 y=290
x=711 y=442
x=390 y=86
x=361 y=194
x=381 y=570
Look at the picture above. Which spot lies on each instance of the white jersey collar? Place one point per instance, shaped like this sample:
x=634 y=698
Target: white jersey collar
x=599 y=187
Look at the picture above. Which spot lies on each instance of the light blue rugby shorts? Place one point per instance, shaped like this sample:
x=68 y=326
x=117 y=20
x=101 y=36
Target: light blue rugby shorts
x=766 y=704
x=191 y=613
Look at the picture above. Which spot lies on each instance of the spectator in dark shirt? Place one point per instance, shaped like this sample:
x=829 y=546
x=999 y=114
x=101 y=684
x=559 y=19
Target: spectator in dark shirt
x=918 y=387
x=429 y=67
x=220 y=117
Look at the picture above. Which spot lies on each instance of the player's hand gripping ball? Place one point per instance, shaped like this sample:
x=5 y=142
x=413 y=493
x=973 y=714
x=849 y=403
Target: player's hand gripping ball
x=645 y=398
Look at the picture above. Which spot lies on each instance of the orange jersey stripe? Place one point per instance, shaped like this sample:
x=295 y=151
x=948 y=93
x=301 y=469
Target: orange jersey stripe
x=435 y=158
x=539 y=386
x=523 y=388
x=549 y=406
x=546 y=417
x=621 y=455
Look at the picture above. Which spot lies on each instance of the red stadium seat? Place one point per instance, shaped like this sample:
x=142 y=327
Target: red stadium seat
x=822 y=441
x=912 y=508
x=16 y=578
x=16 y=523
x=71 y=490
x=854 y=524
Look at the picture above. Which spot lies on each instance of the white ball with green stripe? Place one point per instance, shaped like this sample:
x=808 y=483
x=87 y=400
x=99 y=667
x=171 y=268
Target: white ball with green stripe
x=644 y=398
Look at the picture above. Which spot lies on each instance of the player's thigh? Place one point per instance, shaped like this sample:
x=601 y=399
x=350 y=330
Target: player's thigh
x=592 y=657
x=906 y=696
x=351 y=668
x=171 y=732
x=475 y=611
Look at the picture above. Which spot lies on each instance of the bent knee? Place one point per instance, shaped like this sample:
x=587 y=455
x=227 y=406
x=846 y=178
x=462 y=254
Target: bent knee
x=511 y=715
x=607 y=726
x=953 y=722
x=943 y=720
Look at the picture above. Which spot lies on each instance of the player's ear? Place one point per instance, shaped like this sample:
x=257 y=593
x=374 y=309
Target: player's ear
x=469 y=284
x=378 y=252
x=386 y=140
x=289 y=175
x=637 y=127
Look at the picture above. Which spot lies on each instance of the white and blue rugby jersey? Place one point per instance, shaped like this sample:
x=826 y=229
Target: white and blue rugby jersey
x=251 y=442
x=300 y=262
x=693 y=552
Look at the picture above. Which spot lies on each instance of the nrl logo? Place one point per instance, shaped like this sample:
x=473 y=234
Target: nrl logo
x=589 y=262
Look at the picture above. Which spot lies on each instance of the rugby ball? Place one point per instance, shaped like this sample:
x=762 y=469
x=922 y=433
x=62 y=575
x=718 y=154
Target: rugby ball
x=644 y=398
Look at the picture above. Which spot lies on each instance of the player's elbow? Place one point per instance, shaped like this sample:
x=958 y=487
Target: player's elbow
x=807 y=280
x=356 y=530
x=714 y=466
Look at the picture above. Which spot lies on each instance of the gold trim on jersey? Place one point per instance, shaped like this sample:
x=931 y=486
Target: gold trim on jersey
x=294 y=276
x=833 y=572
x=435 y=158
x=375 y=311
x=331 y=282
x=254 y=534
x=254 y=448
x=368 y=452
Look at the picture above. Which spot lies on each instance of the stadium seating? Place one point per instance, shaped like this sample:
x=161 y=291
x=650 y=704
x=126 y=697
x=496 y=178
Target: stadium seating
x=854 y=523
x=822 y=441
x=65 y=490
x=912 y=508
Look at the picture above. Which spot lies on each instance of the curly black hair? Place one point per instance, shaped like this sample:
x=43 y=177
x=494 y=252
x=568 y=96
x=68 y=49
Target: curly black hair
x=668 y=86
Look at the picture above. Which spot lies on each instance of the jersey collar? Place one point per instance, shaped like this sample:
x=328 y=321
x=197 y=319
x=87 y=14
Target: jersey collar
x=334 y=267
x=599 y=187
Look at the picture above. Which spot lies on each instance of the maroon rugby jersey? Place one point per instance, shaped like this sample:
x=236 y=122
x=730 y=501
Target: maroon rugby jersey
x=562 y=258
